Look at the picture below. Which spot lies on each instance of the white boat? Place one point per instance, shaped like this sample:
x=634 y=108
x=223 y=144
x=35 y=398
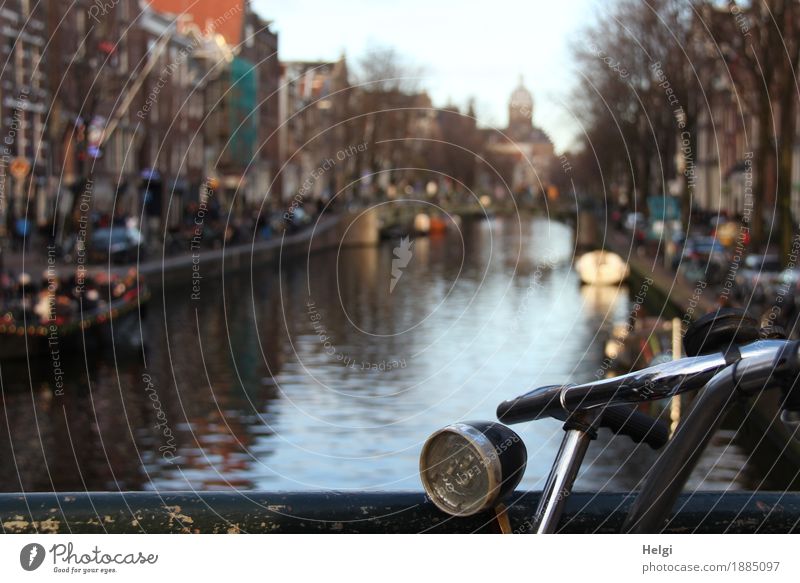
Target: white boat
x=602 y=268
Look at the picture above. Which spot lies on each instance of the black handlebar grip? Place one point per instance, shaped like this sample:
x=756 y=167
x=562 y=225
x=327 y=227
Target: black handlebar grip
x=621 y=419
x=640 y=427
x=540 y=403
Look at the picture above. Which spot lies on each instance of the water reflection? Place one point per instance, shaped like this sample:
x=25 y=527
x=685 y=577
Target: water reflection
x=321 y=377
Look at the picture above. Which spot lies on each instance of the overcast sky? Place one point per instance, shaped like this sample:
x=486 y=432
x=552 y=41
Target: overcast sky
x=466 y=48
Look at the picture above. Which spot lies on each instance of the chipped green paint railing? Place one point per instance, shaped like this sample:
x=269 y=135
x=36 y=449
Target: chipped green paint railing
x=364 y=512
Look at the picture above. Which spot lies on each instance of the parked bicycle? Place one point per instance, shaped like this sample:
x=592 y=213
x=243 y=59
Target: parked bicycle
x=471 y=467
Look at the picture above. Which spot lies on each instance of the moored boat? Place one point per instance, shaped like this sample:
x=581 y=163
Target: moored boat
x=438 y=225
x=67 y=322
x=602 y=268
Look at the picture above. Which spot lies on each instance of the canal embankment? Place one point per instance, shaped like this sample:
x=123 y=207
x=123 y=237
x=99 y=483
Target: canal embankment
x=198 y=261
x=197 y=264
x=676 y=296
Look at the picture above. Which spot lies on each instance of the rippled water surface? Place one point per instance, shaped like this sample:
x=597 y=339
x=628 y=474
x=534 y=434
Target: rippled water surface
x=321 y=377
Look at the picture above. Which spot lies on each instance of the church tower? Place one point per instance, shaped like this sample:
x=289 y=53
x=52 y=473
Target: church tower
x=520 y=108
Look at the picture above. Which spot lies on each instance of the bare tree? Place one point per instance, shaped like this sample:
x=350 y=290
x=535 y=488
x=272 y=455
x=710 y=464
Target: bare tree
x=762 y=50
x=386 y=109
x=383 y=70
x=634 y=95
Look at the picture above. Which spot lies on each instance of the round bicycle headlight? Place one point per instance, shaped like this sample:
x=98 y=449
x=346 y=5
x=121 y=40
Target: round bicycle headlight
x=468 y=467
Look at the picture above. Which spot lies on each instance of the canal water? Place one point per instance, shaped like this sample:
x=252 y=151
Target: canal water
x=329 y=372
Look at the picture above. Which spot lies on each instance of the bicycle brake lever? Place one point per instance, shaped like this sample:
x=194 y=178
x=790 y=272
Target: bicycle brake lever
x=640 y=427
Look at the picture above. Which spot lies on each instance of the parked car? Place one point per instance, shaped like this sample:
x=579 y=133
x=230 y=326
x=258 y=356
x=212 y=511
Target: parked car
x=789 y=280
x=730 y=233
x=758 y=275
x=120 y=244
x=637 y=224
x=664 y=230
x=782 y=308
x=702 y=258
x=634 y=221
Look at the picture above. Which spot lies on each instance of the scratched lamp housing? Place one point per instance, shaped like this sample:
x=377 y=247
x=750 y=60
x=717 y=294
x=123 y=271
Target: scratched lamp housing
x=470 y=467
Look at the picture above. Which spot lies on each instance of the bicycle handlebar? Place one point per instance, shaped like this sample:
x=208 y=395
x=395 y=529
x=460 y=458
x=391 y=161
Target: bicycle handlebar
x=649 y=384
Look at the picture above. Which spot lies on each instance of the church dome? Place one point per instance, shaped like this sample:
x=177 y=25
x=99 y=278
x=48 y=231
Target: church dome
x=521 y=97
x=520 y=108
